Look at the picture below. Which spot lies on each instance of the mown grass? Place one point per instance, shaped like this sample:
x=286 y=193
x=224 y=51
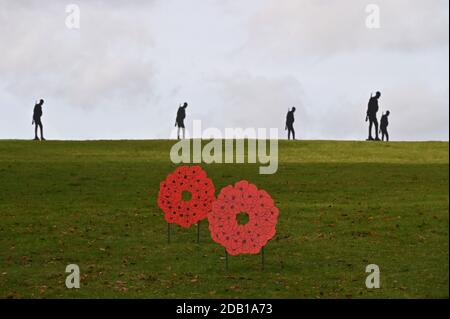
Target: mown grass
x=343 y=205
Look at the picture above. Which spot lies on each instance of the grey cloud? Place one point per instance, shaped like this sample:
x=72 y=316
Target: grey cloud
x=292 y=27
x=257 y=101
x=107 y=59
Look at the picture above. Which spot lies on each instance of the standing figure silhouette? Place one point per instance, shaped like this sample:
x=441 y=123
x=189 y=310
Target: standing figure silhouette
x=37 y=114
x=371 y=116
x=181 y=115
x=383 y=126
x=290 y=123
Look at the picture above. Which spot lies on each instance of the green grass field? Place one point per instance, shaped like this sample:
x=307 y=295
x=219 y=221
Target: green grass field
x=343 y=205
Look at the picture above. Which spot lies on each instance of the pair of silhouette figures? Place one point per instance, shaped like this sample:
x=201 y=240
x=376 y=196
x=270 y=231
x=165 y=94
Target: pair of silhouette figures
x=371 y=117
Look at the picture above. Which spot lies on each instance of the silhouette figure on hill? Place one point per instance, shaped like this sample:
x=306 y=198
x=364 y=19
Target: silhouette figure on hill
x=383 y=126
x=181 y=115
x=37 y=114
x=290 y=123
x=371 y=116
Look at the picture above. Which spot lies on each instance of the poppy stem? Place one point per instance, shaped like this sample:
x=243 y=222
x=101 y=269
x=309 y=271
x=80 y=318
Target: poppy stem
x=198 y=232
x=262 y=259
x=226 y=259
x=168 y=233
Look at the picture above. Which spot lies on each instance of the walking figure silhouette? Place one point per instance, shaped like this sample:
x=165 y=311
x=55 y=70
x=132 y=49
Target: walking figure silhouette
x=383 y=126
x=371 y=116
x=290 y=123
x=181 y=115
x=37 y=114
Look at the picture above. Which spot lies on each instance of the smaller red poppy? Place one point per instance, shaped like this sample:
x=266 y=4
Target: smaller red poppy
x=191 y=180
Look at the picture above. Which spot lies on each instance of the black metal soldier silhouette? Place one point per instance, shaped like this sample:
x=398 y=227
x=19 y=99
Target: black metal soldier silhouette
x=37 y=114
x=371 y=116
x=384 y=122
x=290 y=123
x=181 y=115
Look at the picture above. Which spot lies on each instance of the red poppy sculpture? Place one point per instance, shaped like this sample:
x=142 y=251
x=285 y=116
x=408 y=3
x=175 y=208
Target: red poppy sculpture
x=191 y=180
x=262 y=214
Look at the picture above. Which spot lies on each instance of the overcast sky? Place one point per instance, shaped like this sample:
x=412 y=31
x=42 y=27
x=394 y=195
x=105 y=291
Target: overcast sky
x=124 y=72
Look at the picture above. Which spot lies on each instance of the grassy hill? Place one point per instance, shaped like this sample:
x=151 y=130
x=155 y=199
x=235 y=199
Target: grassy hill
x=343 y=205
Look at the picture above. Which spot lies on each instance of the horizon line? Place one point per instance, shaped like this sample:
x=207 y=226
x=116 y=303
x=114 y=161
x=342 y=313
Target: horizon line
x=224 y=139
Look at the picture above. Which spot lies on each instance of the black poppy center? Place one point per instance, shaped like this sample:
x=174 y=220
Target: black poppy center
x=242 y=218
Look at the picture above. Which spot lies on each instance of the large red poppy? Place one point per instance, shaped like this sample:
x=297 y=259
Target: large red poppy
x=262 y=218
x=192 y=180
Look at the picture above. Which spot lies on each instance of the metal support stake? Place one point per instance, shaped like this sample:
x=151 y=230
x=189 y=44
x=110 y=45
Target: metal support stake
x=168 y=233
x=226 y=260
x=262 y=259
x=198 y=232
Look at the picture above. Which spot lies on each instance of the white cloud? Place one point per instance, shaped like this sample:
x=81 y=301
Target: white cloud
x=238 y=64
